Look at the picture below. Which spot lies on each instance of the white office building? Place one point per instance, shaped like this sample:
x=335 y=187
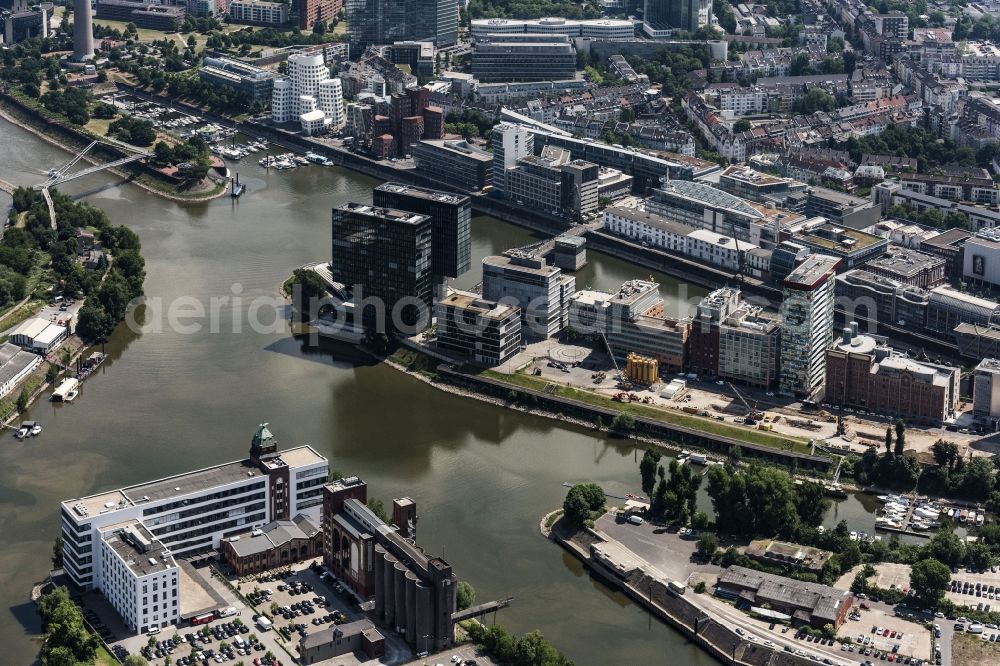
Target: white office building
x=140 y=577
x=258 y=12
x=307 y=89
x=510 y=143
x=191 y=512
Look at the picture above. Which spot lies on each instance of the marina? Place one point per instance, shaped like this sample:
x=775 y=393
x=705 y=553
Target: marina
x=916 y=516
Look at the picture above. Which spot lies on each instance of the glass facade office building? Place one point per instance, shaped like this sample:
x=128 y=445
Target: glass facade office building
x=387 y=21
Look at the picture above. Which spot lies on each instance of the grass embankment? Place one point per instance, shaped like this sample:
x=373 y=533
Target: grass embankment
x=104 y=658
x=669 y=416
x=8 y=405
x=415 y=362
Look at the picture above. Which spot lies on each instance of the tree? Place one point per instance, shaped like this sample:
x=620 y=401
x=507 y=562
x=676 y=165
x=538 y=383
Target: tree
x=742 y=125
x=622 y=424
x=978 y=556
x=900 y=437
x=465 y=595
x=945 y=453
x=23 y=399
x=708 y=544
x=928 y=581
x=888 y=441
x=135 y=660
x=378 y=508
x=946 y=547
x=811 y=503
x=57 y=552
x=581 y=502
x=647 y=468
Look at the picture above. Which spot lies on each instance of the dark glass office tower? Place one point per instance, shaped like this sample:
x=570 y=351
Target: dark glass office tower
x=388 y=253
x=387 y=21
x=451 y=216
x=677 y=14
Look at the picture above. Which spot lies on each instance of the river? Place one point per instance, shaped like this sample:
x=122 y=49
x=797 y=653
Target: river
x=169 y=401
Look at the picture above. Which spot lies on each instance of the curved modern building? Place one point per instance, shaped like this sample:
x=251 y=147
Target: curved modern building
x=83 y=31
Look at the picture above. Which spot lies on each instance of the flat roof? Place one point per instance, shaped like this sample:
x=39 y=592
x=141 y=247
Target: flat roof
x=30 y=327
x=184 y=484
x=502 y=261
x=381 y=213
x=905 y=262
x=142 y=552
x=816 y=268
x=477 y=303
x=422 y=193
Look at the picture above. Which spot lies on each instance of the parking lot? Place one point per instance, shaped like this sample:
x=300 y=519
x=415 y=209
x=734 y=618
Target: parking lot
x=668 y=552
x=972 y=589
x=300 y=602
x=882 y=632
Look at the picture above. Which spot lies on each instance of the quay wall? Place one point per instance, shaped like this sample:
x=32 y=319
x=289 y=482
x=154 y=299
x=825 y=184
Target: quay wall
x=652 y=594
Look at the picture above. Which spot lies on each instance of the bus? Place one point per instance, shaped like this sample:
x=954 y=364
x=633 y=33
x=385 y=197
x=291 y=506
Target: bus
x=202 y=619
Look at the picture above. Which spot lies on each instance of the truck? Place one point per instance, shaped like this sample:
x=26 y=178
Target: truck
x=264 y=624
x=676 y=587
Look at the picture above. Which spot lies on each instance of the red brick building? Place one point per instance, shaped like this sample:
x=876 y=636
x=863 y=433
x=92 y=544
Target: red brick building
x=433 y=122
x=311 y=11
x=279 y=543
x=863 y=372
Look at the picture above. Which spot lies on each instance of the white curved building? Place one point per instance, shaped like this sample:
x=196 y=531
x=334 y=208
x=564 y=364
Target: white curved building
x=307 y=92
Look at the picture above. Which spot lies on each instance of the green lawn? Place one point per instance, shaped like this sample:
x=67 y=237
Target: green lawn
x=674 y=417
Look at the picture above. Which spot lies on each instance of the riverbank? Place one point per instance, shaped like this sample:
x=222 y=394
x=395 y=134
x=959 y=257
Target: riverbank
x=672 y=437
x=18 y=114
x=660 y=601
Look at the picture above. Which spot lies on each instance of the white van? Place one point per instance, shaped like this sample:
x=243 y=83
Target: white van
x=635 y=520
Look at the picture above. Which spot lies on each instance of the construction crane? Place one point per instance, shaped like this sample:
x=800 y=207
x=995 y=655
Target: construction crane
x=621 y=376
x=752 y=414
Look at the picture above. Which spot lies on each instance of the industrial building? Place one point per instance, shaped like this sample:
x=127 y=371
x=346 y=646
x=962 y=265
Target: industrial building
x=807 y=322
x=414 y=593
x=485 y=332
x=278 y=543
x=541 y=292
x=186 y=514
x=15 y=365
x=806 y=603
x=523 y=57
x=358 y=637
x=457 y=163
x=863 y=372
x=37 y=335
x=385 y=254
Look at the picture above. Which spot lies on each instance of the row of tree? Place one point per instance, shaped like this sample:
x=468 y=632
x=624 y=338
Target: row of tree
x=506 y=649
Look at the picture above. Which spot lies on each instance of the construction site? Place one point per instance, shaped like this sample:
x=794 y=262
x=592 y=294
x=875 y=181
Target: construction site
x=589 y=366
